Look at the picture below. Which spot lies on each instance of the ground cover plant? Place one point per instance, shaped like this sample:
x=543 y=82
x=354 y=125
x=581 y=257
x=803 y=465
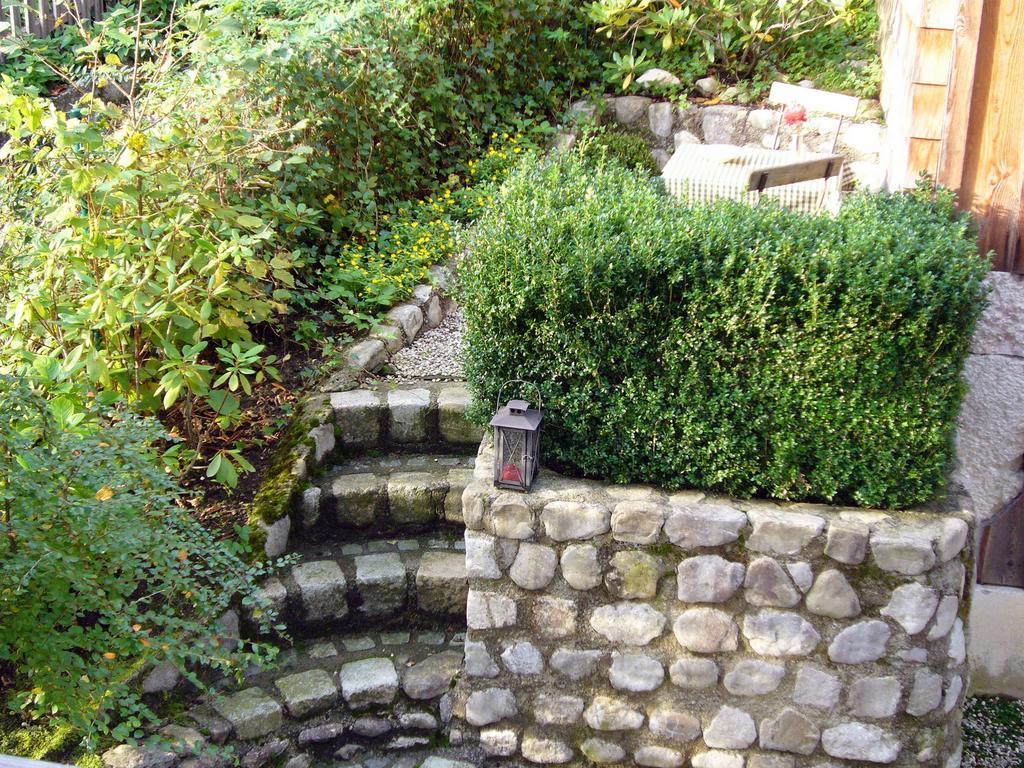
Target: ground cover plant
x=731 y=348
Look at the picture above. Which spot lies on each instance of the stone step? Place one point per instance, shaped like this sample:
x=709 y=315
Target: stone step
x=338 y=697
x=420 y=415
x=383 y=582
x=391 y=494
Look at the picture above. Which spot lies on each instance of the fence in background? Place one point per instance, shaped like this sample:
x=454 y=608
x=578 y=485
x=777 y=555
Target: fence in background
x=41 y=17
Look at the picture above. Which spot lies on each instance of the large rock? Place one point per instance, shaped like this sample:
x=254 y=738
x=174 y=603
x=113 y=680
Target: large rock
x=580 y=567
x=859 y=741
x=847 y=541
x=706 y=630
x=635 y=672
x=357 y=415
x=816 y=688
x=537 y=748
x=776 y=633
x=567 y=520
x=658 y=757
x=368 y=682
x=554 y=617
x=251 y=712
x=602 y=752
x=902 y=551
x=128 y=756
x=767 y=584
x=674 y=725
x=358 y=498
x=752 y=677
x=455 y=428
x=575 y=664
x=534 y=566
x=630 y=109
x=833 y=596
x=638 y=522
x=479 y=662
x=656 y=76
x=633 y=575
x=694 y=673
x=489 y=610
x=555 y=709
x=723 y=124
x=432 y=677
x=708 y=579
x=307 y=693
x=782 y=532
x=874 y=697
x=789 y=731
x=608 y=714
x=628 y=623
x=523 y=658
x=416 y=498
x=510 y=518
x=661 y=119
x=730 y=728
x=704 y=525
x=481 y=556
x=912 y=606
x=490 y=705
x=861 y=642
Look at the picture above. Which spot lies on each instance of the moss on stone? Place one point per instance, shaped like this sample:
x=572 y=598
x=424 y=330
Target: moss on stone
x=273 y=500
x=56 y=743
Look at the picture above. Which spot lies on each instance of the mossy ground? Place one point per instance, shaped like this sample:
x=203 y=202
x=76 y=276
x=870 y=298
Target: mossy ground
x=993 y=730
x=61 y=744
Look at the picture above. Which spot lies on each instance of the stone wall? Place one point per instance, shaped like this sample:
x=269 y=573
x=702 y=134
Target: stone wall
x=990 y=467
x=668 y=125
x=626 y=624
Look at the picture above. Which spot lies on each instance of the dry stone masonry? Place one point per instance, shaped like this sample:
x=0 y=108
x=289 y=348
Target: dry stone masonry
x=622 y=624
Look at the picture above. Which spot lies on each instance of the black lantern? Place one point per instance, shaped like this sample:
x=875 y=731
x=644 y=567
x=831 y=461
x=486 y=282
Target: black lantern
x=516 y=441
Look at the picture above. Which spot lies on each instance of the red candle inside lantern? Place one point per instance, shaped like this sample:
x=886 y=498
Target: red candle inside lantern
x=511 y=474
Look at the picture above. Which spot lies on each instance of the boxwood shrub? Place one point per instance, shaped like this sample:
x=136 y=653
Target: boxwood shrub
x=746 y=350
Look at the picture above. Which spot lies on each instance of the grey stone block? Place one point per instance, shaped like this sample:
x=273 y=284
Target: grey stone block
x=730 y=728
x=575 y=664
x=381 y=582
x=633 y=575
x=408 y=409
x=767 y=584
x=694 y=673
x=455 y=428
x=307 y=693
x=912 y=606
x=567 y=520
x=251 y=712
x=368 y=682
x=534 y=566
x=358 y=499
x=635 y=672
x=902 y=552
x=782 y=532
x=833 y=596
x=490 y=705
x=489 y=610
x=752 y=677
x=322 y=590
x=357 y=415
x=638 y=522
x=441 y=583
x=859 y=741
x=789 y=731
x=874 y=697
x=416 y=497
x=432 y=677
x=704 y=525
x=602 y=752
x=630 y=109
x=579 y=566
x=861 y=642
x=458 y=480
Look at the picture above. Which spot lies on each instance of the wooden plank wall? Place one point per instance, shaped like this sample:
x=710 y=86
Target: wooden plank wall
x=953 y=77
x=916 y=47
x=992 y=184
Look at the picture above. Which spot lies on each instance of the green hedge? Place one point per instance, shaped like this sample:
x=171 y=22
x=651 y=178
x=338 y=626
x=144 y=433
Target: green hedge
x=745 y=350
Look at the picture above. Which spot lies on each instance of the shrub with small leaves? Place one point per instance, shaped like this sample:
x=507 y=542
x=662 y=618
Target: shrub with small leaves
x=747 y=350
x=629 y=150
x=103 y=570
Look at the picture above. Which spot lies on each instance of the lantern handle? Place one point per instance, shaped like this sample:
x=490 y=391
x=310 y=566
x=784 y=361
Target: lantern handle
x=519 y=381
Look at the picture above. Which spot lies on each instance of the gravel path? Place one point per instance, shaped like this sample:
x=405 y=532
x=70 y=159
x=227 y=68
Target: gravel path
x=435 y=356
x=993 y=732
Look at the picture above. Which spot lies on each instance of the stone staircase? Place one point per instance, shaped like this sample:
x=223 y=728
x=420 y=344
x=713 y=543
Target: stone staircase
x=374 y=603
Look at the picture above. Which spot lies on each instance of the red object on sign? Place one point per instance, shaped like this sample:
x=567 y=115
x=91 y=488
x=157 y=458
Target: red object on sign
x=795 y=114
x=511 y=474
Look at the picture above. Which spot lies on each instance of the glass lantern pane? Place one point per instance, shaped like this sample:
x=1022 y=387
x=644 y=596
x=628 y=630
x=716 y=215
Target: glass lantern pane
x=512 y=449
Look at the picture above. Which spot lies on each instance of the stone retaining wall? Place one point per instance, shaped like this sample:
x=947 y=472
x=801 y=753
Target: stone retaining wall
x=622 y=624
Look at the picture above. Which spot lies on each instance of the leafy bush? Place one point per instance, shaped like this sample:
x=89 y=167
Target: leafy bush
x=102 y=570
x=741 y=349
x=734 y=36
x=143 y=244
x=627 y=149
